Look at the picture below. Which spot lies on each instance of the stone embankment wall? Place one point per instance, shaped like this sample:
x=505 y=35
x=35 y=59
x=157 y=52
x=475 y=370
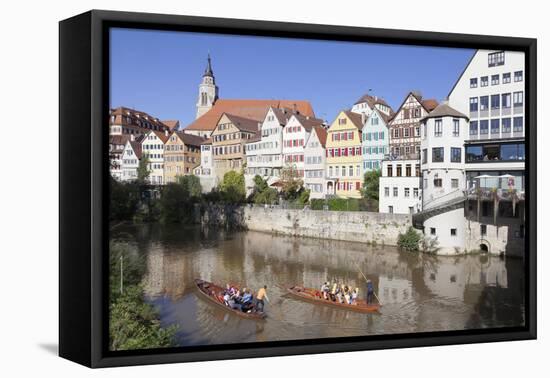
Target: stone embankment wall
x=356 y=226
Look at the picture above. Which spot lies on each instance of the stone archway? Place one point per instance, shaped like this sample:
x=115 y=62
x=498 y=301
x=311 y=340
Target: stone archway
x=330 y=187
x=484 y=246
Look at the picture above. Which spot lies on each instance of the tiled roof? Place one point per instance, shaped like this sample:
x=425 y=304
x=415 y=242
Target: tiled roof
x=444 y=110
x=355 y=119
x=172 y=124
x=189 y=139
x=321 y=134
x=372 y=100
x=243 y=124
x=161 y=135
x=430 y=104
x=136 y=146
x=119 y=140
x=251 y=109
x=308 y=122
x=132 y=117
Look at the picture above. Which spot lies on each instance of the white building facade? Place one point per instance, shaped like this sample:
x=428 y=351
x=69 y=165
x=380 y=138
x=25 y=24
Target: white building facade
x=491 y=92
x=443 y=177
x=130 y=160
x=152 y=146
x=315 y=173
x=264 y=157
x=399 y=187
x=295 y=135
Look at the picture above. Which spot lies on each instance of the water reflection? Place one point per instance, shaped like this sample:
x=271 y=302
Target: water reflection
x=418 y=292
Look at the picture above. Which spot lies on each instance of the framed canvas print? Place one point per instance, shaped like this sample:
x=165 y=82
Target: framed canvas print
x=234 y=188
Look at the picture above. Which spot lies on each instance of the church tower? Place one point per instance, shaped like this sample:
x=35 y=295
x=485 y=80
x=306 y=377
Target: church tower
x=208 y=91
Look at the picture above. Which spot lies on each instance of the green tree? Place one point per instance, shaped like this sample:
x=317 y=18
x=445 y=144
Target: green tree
x=143 y=170
x=410 y=240
x=175 y=203
x=124 y=200
x=133 y=323
x=233 y=187
x=292 y=183
x=192 y=185
x=262 y=193
x=371 y=185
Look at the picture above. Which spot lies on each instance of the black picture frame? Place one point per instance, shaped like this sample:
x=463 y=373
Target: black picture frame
x=83 y=195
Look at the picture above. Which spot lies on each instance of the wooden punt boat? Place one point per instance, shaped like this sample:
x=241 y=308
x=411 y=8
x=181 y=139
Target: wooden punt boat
x=315 y=296
x=214 y=294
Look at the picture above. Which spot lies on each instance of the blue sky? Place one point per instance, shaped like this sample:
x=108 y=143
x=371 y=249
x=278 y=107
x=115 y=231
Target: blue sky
x=158 y=72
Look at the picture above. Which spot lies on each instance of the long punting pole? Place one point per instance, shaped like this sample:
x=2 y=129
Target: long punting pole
x=365 y=277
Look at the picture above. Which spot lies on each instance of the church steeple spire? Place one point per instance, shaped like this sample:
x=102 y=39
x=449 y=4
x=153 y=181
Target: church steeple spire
x=208 y=90
x=208 y=71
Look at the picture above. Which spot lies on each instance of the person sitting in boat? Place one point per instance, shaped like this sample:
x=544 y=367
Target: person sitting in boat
x=262 y=294
x=230 y=302
x=333 y=291
x=347 y=295
x=246 y=301
x=354 y=296
x=325 y=290
x=230 y=289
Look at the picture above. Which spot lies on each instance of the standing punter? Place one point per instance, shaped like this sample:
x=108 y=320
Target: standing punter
x=370 y=291
x=262 y=293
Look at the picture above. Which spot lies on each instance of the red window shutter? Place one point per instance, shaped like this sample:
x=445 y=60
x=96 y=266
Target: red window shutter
x=357 y=185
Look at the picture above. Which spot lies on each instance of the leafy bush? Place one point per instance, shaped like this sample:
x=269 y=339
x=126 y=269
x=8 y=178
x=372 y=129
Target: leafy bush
x=262 y=193
x=175 y=203
x=134 y=324
x=124 y=200
x=410 y=240
x=233 y=188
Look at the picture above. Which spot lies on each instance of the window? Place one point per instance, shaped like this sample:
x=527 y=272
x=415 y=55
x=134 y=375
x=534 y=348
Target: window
x=390 y=209
x=518 y=76
x=407 y=192
x=506 y=100
x=424 y=156
x=438 y=183
x=506 y=78
x=453 y=231
x=518 y=124
x=495 y=101
x=396 y=133
x=484 y=127
x=473 y=82
x=415 y=192
x=494 y=79
x=456 y=127
x=406 y=114
x=496 y=59
x=495 y=127
x=473 y=104
x=408 y=170
x=432 y=230
x=483 y=230
x=518 y=99
x=454 y=183
x=473 y=128
x=395 y=191
x=406 y=132
x=506 y=125
x=342 y=121
x=484 y=103
x=484 y=81
x=399 y=170
x=438 y=128
x=456 y=155
x=390 y=170
x=386 y=191
x=437 y=154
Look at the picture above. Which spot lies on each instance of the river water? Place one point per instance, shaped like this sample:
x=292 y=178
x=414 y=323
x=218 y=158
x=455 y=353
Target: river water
x=419 y=293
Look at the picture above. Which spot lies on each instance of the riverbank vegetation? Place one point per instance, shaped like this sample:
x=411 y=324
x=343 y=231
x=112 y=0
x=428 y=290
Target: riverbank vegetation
x=414 y=241
x=174 y=202
x=133 y=323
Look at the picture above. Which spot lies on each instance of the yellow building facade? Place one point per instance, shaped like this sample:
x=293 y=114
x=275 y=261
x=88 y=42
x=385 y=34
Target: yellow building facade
x=182 y=154
x=344 y=158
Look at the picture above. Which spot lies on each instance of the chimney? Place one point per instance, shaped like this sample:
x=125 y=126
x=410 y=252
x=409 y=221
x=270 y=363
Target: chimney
x=294 y=109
